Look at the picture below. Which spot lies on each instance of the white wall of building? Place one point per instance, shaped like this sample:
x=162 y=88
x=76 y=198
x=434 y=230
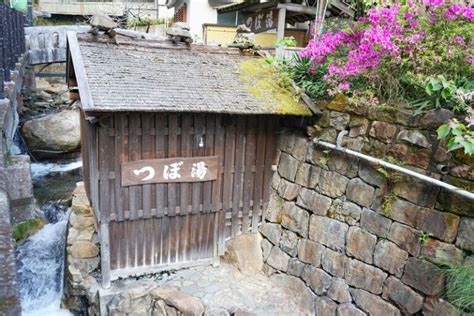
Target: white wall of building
x=199 y=13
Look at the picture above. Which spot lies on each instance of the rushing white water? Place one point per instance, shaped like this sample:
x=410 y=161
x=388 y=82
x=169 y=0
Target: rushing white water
x=40 y=264
x=40 y=259
x=43 y=169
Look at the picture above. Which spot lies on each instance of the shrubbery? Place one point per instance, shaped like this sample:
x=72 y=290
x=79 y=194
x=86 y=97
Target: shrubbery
x=419 y=55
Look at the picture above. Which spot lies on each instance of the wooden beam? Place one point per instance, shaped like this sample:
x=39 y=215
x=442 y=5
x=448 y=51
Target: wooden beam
x=105 y=254
x=298 y=8
x=343 y=7
x=281 y=23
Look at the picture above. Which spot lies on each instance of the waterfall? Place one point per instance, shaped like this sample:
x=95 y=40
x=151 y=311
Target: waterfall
x=40 y=264
x=40 y=258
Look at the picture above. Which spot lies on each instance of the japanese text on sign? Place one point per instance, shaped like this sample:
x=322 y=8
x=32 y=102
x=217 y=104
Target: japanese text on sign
x=169 y=170
x=262 y=21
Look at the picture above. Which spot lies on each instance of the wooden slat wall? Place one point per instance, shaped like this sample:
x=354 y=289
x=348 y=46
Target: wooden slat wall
x=158 y=224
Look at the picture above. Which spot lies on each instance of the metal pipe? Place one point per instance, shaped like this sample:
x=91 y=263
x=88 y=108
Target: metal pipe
x=444 y=185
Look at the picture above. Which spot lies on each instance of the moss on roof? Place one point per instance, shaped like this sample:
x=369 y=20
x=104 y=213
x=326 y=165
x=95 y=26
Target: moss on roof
x=260 y=78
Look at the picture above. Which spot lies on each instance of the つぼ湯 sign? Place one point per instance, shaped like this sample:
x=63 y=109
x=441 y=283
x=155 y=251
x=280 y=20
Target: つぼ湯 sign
x=170 y=170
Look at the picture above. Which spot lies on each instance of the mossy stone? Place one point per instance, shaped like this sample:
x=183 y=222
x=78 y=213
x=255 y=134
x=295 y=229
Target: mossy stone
x=25 y=229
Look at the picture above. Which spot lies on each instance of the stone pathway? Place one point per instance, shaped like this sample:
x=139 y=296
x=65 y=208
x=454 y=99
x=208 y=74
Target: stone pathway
x=225 y=287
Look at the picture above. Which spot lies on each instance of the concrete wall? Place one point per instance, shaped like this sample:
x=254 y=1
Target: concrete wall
x=361 y=238
x=199 y=13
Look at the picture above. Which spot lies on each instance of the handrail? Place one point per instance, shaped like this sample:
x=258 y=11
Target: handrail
x=444 y=185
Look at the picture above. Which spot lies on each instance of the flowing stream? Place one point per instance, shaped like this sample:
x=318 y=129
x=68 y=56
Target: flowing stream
x=40 y=258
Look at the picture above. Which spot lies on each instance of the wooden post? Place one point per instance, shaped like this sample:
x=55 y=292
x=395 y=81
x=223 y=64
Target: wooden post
x=105 y=254
x=281 y=23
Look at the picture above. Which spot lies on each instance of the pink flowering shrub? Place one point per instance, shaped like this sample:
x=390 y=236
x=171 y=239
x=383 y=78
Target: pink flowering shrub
x=401 y=53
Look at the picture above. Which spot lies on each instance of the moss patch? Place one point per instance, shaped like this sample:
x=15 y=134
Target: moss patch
x=262 y=81
x=23 y=230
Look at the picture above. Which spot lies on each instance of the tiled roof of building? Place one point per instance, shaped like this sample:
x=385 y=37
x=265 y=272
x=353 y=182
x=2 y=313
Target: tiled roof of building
x=147 y=76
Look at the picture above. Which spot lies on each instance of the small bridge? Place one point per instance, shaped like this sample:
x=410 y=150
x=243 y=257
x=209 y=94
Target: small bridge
x=47 y=44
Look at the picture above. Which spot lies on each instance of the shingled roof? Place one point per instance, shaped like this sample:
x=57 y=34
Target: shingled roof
x=142 y=75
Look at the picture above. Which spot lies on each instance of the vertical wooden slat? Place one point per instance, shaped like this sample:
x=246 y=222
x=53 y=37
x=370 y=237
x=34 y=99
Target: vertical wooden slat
x=169 y=237
x=198 y=150
x=260 y=172
x=135 y=244
x=228 y=163
x=249 y=174
x=160 y=152
x=237 y=186
x=270 y=157
x=147 y=152
x=208 y=223
x=186 y=151
x=217 y=198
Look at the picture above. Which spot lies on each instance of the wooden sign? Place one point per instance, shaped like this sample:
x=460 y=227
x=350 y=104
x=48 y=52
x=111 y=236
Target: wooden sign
x=262 y=21
x=195 y=169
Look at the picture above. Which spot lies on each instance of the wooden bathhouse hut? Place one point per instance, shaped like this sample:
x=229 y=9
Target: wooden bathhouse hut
x=178 y=144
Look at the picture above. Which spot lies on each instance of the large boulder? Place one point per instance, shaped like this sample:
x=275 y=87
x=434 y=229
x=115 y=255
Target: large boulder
x=53 y=135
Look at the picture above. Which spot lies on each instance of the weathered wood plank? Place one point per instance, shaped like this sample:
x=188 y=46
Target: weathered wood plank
x=161 y=123
x=172 y=230
x=147 y=153
x=249 y=174
x=209 y=150
x=239 y=161
x=270 y=159
x=229 y=155
x=260 y=173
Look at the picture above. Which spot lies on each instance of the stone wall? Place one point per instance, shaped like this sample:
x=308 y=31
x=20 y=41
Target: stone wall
x=362 y=238
x=9 y=296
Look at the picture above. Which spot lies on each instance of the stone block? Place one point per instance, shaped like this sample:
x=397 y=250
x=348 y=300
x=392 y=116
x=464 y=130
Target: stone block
x=80 y=203
x=305 y=298
x=343 y=164
x=271 y=231
x=441 y=225
x=80 y=221
x=403 y=212
x=465 y=238
x=325 y=306
x=295 y=219
x=334 y=262
x=332 y=184
x=407 y=300
x=310 y=252
x=299 y=147
x=356 y=144
x=288 y=190
x=360 y=244
x=373 y=304
x=18 y=173
x=266 y=248
x=245 y=252
x=442 y=253
x=289 y=242
x=390 y=257
x=276 y=181
x=349 y=310
x=274 y=208
x=267 y=270
x=417 y=192
x=328 y=232
x=375 y=223
x=295 y=267
x=423 y=276
x=364 y=276
x=313 y=201
x=83 y=249
x=438 y=307
x=307 y=175
x=383 y=131
x=339 y=291
x=318 y=280
x=278 y=259
x=360 y=192
x=406 y=238
x=436 y=117
x=288 y=166
x=347 y=212
x=358 y=126
x=414 y=137
x=339 y=120
x=455 y=204
x=370 y=175
x=286 y=142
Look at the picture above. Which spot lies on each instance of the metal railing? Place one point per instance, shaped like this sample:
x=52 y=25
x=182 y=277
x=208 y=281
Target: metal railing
x=12 y=42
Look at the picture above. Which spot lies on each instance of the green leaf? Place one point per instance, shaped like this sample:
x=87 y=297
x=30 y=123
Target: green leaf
x=443 y=131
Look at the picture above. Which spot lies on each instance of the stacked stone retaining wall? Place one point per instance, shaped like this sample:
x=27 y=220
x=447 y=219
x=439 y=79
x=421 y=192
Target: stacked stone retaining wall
x=363 y=239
